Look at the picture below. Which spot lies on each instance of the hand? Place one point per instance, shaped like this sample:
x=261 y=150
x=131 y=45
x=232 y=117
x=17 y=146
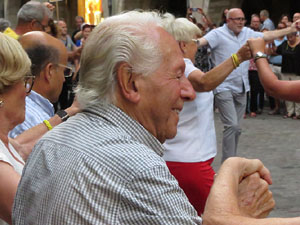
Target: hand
x=296 y=26
x=244 y=53
x=49 y=6
x=254 y=198
x=74 y=108
x=256 y=45
x=200 y=10
x=246 y=167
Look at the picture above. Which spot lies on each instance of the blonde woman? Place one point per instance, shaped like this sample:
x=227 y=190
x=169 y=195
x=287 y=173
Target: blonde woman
x=15 y=84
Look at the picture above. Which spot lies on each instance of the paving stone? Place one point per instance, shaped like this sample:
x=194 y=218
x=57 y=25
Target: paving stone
x=276 y=142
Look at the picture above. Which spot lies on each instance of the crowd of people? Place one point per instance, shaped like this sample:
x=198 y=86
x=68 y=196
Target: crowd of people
x=115 y=123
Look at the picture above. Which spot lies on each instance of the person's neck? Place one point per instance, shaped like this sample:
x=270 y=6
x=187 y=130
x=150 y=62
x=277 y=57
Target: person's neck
x=42 y=91
x=5 y=127
x=20 y=30
x=63 y=37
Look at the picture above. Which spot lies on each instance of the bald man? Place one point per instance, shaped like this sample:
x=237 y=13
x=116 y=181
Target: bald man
x=230 y=96
x=49 y=60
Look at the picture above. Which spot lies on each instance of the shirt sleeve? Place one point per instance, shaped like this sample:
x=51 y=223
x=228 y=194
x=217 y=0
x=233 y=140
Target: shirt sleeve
x=212 y=38
x=154 y=197
x=189 y=67
x=4 y=158
x=254 y=34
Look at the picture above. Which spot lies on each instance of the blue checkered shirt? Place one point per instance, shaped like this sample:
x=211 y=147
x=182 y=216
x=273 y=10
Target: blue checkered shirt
x=100 y=167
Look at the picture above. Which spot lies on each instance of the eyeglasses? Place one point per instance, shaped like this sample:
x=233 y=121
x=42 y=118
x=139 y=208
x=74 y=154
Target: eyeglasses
x=239 y=19
x=68 y=71
x=196 y=41
x=43 y=26
x=28 y=83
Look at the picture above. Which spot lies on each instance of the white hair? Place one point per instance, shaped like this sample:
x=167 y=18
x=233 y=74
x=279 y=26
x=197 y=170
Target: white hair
x=127 y=37
x=181 y=28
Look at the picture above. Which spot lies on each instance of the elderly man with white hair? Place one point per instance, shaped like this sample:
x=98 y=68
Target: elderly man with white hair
x=105 y=166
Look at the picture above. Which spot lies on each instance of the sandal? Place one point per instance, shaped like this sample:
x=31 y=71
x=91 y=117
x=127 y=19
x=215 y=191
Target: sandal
x=296 y=117
x=252 y=114
x=287 y=116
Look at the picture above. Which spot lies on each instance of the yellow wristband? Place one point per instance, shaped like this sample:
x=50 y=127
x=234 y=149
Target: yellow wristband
x=48 y=125
x=236 y=59
x=233 y=61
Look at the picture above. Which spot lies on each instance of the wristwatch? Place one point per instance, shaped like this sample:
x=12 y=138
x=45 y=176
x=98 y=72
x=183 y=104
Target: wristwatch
x=260 y=55
x=63 y=115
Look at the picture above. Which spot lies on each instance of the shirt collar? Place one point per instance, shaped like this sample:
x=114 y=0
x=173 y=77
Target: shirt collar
x=133 y=128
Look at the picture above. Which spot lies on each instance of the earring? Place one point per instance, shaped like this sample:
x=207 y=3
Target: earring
x=1 y=103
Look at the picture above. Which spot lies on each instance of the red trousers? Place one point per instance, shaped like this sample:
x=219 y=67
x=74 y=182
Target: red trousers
x=195 y=179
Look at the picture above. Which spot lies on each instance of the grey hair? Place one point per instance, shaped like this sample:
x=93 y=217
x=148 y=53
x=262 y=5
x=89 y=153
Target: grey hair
x=4 y=24
x=181 y=28
x=33 y=10
x=128 y=38
x=265 y=13
x=14 y=62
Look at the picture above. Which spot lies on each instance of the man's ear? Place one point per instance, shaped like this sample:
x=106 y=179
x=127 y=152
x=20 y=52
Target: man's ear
x=48 y=72
x=182 y=46
x=127 y=83
x=32 y=24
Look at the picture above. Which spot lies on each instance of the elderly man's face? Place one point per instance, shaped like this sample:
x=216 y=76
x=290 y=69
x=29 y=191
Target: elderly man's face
x=164 y=92
x=236 y=21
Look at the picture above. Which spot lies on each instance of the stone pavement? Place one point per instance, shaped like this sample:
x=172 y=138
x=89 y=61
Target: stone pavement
x=276 y=142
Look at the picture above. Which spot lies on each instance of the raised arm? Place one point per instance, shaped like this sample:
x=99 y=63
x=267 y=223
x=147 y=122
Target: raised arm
x=287 y=90
x=210 y=80
x=271 y=35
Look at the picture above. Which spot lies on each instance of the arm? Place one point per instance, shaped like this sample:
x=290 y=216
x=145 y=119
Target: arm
x=222 y=206
x=271 y=35
x=25 y=142
x=203 y=42
x=210 y=80
x=288 y=90
x=8 y=188
x=207 y=19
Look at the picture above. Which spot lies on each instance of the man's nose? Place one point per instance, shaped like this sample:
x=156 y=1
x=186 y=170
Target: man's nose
x=187 y=90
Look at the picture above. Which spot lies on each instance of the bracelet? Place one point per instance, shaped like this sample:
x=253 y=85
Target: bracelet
x=235 y=60
x=48 y=125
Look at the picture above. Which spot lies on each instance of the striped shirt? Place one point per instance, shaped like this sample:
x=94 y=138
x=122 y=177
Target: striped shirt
x=100 y=167
x=38 y=109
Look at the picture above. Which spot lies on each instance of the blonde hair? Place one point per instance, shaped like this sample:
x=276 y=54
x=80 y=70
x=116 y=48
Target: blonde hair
x=14 y=62
x=181 y=28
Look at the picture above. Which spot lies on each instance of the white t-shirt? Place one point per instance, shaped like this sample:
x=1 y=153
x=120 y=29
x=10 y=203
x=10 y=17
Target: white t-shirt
x=6 y=156
x=196 y=137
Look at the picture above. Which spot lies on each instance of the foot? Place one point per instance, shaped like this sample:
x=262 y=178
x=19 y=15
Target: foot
x=252 y=114
x=274 y=112
x=288 y=115
x=296 y=117
x=259 y=111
